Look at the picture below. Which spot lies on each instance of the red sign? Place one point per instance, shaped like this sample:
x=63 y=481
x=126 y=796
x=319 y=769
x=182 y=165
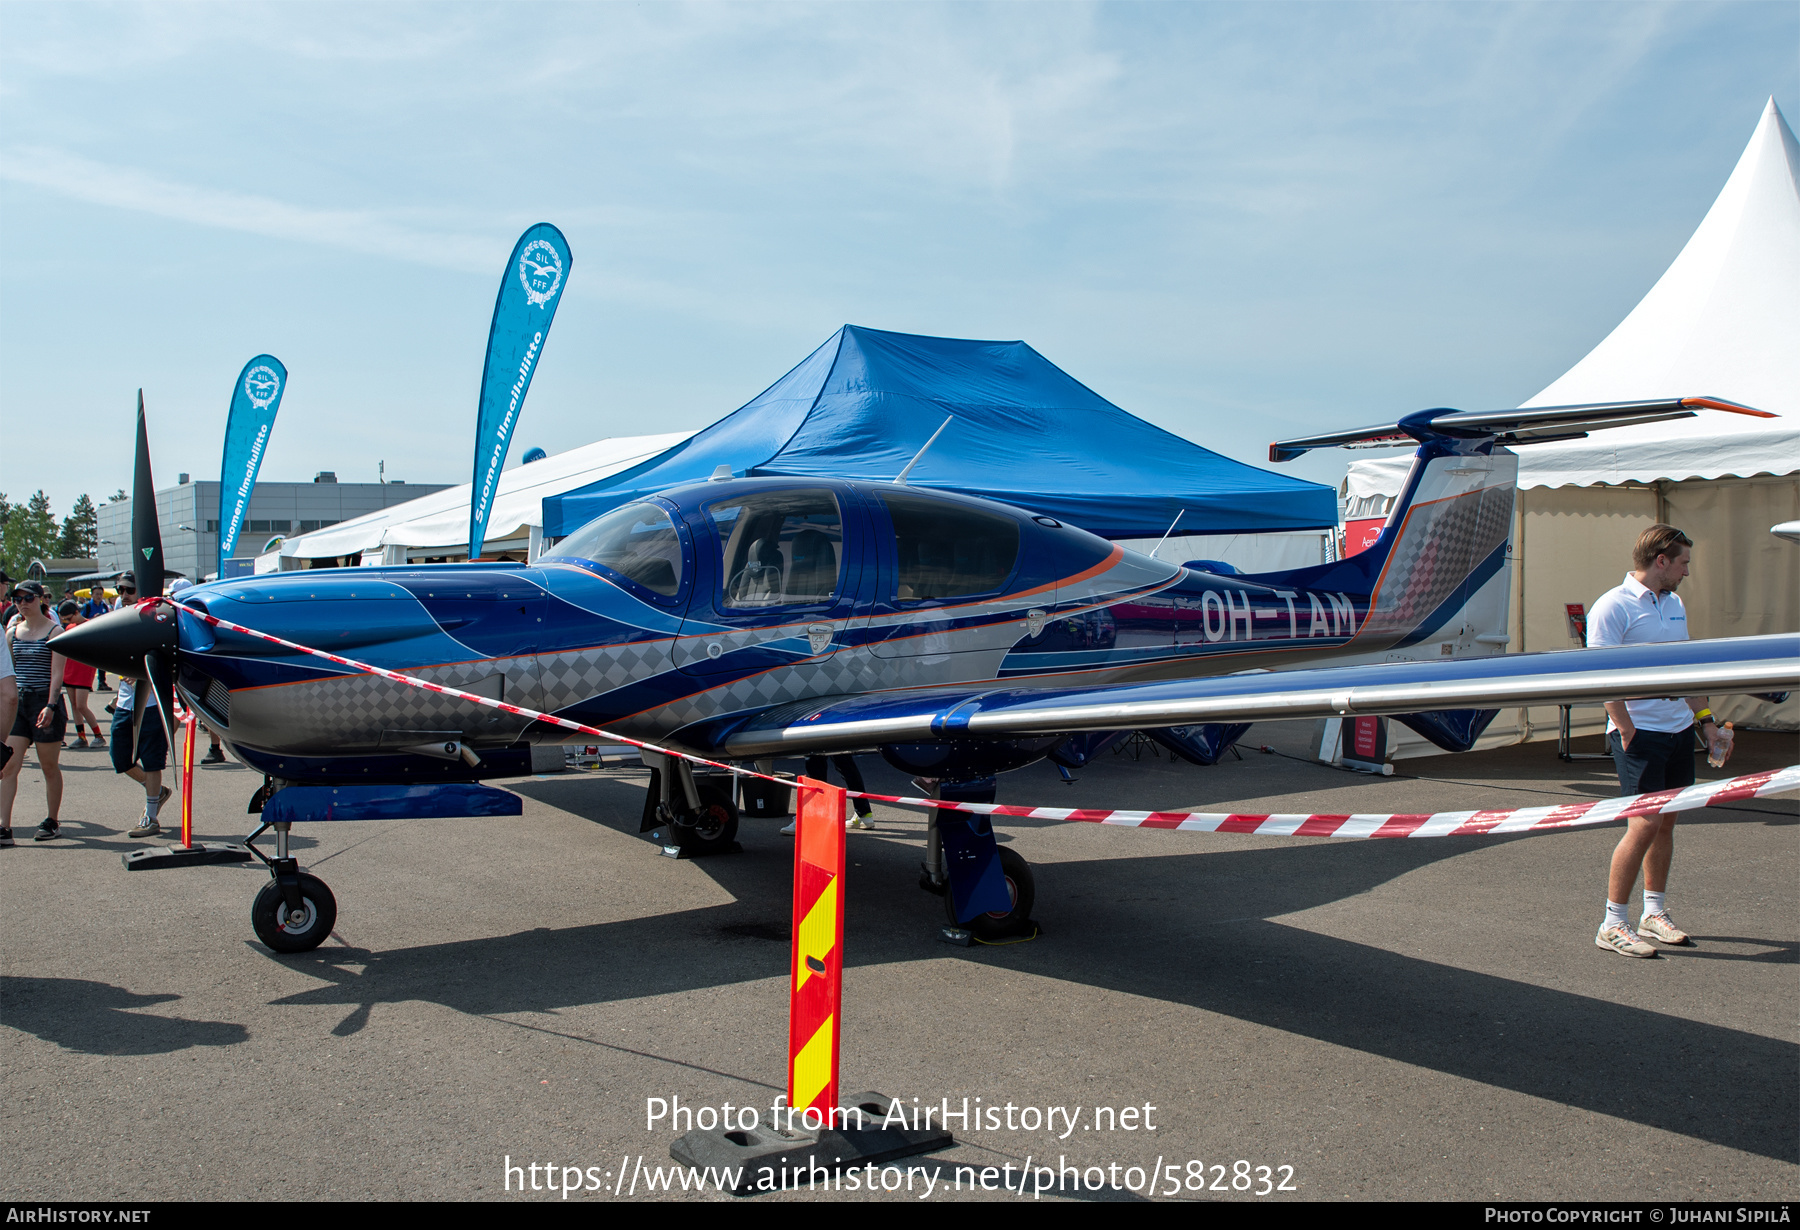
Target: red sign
x=1361 y=535
x=1577 y=613
x=1367 y=743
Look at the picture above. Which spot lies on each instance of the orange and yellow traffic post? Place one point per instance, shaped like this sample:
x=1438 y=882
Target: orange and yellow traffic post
x=815 y=998
x=187 y=779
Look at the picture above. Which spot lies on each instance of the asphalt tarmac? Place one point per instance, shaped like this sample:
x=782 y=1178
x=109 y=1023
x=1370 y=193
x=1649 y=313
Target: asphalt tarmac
x=1417 y=1019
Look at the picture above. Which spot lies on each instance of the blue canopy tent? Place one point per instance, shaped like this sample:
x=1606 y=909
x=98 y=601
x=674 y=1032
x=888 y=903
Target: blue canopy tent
x=1025 y=432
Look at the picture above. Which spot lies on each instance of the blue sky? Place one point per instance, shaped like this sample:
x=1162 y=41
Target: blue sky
x=1237 y=221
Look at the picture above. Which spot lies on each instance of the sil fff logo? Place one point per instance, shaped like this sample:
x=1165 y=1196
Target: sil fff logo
x=540 y=272
x=261 y=384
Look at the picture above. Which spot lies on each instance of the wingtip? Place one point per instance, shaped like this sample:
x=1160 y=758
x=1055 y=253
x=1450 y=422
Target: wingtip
x=1718 y=403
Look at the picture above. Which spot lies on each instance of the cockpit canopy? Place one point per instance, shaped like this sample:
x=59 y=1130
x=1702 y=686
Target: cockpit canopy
x=764 y=545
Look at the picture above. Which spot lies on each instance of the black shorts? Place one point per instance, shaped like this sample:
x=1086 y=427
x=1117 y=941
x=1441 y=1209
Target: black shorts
x=152 y=750
x=1656 y=760
x=25 y=725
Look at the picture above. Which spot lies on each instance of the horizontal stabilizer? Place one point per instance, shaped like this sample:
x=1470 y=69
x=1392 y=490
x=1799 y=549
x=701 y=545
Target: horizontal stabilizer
x=1530 y=426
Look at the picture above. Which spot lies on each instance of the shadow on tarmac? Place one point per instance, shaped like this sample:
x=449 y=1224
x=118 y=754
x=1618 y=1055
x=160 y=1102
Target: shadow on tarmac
x=96 y=1018
x=1135 y=926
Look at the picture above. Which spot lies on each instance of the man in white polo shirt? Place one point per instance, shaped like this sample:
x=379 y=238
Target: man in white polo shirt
x=1652 y=741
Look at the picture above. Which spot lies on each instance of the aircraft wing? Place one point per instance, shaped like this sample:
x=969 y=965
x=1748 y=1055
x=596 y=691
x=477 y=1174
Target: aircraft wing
x=977 y=711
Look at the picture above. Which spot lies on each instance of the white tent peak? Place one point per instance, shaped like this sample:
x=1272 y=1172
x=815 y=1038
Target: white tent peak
x=1722 y=321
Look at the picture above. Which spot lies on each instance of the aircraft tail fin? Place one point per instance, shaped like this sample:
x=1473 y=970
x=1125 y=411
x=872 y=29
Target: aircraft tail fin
x=1437 y=571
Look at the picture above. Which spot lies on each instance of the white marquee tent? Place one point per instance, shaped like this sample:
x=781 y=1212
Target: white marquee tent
x=1723 y=320
x=436 y=526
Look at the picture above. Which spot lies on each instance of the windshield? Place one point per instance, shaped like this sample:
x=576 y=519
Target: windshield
x=637 y=541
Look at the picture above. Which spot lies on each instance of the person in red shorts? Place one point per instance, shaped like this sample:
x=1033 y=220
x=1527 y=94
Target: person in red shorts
x=78 y=683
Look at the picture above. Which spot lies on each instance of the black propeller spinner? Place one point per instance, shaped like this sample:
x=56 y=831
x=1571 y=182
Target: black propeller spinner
x=136 y=642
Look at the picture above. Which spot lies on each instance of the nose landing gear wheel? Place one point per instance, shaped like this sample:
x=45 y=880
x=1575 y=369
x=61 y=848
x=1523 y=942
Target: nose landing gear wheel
x=1000 y=924
x=299 y=931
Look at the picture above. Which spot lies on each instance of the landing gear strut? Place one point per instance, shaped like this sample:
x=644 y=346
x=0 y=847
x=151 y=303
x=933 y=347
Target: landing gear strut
x=294 y=912
x=967 y=868
x=700 y=818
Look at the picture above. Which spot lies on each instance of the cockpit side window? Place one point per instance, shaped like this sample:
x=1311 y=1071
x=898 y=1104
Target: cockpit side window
x=638 y=542
x=949 y=550
x=781 y=548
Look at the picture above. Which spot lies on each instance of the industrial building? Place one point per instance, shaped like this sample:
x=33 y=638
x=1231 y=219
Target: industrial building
x=189 y=513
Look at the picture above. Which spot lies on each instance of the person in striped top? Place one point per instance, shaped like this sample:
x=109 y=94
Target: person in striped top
x=41 y=720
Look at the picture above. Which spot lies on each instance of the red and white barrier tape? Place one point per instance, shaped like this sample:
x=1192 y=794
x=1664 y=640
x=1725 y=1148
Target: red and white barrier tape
x=426 y=685
x=1440 y=824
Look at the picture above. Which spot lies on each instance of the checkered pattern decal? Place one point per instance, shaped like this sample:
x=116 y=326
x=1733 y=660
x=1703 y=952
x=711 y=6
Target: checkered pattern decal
x=350 y=712
x=1439 y=547
x=569 y=678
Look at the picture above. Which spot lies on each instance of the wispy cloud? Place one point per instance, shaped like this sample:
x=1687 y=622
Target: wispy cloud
x=369 y=232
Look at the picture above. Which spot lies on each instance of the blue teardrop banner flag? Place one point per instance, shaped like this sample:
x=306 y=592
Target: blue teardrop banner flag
x=530 y=289
x=253 y=405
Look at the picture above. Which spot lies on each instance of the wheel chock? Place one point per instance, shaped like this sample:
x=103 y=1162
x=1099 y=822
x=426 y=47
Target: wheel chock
x=777 y=1156
x=158 y=857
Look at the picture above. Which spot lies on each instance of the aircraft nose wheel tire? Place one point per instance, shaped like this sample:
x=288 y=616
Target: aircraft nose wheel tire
x=999 y=925
x=285 y=933
x=715 y=826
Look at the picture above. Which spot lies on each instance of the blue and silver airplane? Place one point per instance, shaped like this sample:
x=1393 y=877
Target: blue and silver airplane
x=746 y=619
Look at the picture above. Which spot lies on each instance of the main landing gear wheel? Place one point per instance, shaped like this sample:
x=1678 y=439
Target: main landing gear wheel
x=714 y=828
x=1000 y=924
x=297 y=931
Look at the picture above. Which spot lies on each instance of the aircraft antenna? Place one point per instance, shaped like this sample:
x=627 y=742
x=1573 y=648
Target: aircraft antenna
x=901 y=477
x=1167 y=532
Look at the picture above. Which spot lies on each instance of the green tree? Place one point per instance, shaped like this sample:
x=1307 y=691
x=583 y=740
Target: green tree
x=30 y=533
x=117 y=497
x=80 y=531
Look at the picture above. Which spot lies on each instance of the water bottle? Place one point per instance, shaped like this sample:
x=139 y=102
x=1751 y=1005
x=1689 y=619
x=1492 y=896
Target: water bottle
x=1718 y=748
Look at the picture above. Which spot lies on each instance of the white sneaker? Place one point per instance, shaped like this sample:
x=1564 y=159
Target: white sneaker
x=787 y=830
x=1662 y=927
x=1623 y=940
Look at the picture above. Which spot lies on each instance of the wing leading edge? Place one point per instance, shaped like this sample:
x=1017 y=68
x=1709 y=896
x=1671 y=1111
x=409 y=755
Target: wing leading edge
x=1575 y=676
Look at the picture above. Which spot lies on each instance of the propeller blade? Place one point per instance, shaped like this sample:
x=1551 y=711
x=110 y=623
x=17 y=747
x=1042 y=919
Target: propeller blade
x=146 y=532
x=160 y=666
